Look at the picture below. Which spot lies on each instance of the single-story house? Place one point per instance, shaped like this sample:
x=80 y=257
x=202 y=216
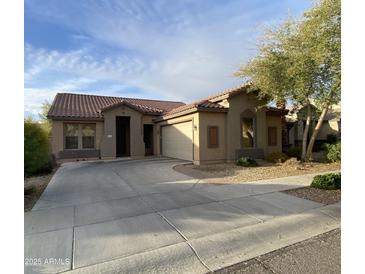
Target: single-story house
x=295 y=124
x=219 y=128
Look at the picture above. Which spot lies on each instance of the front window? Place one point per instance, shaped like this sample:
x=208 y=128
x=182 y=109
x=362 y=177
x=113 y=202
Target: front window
x=79 y=136
x=71 y=136
x=247 y=132
x=88 y=135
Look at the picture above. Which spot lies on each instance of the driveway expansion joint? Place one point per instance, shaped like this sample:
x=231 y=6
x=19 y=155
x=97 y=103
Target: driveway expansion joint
x=221 y=237
x=73 y=241
x=186 y=241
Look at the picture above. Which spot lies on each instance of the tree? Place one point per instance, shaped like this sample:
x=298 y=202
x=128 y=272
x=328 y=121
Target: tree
x=36 y=148
x=300 y=61
x=45 y=122
x=323 y=29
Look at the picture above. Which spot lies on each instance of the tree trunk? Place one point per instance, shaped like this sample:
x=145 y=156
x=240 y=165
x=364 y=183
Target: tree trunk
x=305 y=133
x=308 y=155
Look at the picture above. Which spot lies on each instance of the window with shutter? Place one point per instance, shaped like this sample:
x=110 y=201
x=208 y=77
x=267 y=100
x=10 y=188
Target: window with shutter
x=212 y=136
x=272 y=136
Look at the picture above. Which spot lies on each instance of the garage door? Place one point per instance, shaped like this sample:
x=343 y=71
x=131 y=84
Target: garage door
x=177 y=141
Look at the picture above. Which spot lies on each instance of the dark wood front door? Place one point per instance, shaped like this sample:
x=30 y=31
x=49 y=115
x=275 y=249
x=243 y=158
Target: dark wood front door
x=123 y=136
x=148 y=139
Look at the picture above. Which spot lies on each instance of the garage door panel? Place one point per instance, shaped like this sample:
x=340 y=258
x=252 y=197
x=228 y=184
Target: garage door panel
x=177 y=141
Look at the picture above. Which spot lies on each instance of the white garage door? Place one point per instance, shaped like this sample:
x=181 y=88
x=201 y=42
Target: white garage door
x=177 y=141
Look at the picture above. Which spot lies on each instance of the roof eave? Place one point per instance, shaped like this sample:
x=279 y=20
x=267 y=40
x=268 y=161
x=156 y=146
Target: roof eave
x=75 y=118
x=175 y=115
x=124 y=103
x=276 y=112
x=189 y=111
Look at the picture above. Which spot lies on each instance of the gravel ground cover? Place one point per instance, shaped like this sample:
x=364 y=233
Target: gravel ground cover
x=231 y=173
x=317 y=195
x=33 y=188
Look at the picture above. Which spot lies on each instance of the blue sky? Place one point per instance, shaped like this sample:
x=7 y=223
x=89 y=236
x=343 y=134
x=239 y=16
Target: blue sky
x=173 y=50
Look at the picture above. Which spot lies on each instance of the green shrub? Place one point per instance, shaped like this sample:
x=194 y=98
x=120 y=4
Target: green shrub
x=246 y=161
x=294 y=152
x=331 y=139
x=277 y=157
x=333 y=152
x=328 y=181
x=37 y=157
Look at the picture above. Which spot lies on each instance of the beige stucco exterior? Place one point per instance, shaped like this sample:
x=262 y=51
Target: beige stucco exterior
x=330 y=126
x=207 y=154
x=108 y=145
x=237 y=105
x=105 y=132
x=227 y=120
x=229 y=133
x=57 y=143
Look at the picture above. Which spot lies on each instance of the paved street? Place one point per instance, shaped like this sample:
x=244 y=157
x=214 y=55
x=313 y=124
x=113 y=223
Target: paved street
x=141 y=216
x=319 y=254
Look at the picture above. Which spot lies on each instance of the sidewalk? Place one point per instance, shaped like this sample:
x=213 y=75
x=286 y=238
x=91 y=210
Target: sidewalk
x=320 y=254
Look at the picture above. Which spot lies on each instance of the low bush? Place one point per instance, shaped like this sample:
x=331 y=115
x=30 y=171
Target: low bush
x=329 y=181
x=247 y=162
x=294 y=152
x=333 y=152
x=37 y=157
x=277 y=157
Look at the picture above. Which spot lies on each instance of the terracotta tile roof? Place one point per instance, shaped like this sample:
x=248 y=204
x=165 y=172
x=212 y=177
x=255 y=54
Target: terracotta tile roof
x=229 y=92
x=200 y=105
x=69 y=105
x=209 y=102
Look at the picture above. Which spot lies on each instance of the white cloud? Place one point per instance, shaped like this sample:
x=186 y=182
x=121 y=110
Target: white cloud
x=180 y=51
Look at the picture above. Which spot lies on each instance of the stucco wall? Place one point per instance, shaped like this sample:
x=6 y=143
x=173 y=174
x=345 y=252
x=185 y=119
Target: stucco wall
x=328 y=127
x=57 y=137
x=190 y=117
x=237 y=105
x=108 y=145
x=207 y=154
x=57 y=142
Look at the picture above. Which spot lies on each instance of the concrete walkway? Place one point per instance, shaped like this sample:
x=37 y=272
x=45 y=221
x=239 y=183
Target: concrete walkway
x=141 y=216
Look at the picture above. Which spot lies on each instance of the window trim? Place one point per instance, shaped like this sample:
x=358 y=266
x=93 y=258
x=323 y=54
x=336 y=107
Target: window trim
x=210 y=145
x=82 y=140
x=64 y=136
x=79 y=136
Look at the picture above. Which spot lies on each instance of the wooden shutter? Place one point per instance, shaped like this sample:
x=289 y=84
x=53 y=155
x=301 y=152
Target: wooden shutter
x=272 y=136
x=212 y=136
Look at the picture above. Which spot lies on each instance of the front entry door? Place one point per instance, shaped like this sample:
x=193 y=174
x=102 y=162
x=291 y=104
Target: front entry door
x=148 y=139
x=123 y=136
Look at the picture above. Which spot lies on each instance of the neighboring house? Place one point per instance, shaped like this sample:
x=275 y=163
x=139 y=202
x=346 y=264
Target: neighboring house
x=217 y=129
x=295 y=122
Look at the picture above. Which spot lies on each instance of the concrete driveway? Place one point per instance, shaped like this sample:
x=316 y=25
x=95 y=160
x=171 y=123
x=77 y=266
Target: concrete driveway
x=141 y=216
